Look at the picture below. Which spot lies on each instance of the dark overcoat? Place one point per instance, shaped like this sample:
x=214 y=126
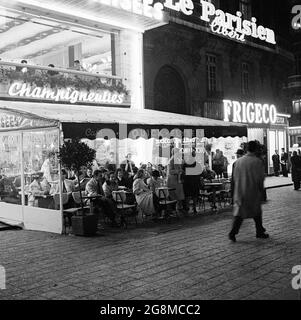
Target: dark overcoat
x=248 y=178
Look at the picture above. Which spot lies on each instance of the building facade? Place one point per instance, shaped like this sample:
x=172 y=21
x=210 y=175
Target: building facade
x=195 y=66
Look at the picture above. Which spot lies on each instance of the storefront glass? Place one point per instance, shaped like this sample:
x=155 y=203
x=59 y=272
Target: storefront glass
x=10 y=168
x=41 y=169
x=44 y=41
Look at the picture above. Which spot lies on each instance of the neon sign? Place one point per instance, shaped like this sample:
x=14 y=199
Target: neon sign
x=226 y=24
x=234 y=26
x=296 y=21
x=19 y=89
x=249 y=112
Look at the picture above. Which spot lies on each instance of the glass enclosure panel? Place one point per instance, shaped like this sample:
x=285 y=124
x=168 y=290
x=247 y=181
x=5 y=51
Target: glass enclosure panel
x=281 y=140
x=273 y=145
x=44 y=41
x=41 y=169
x=10 y=168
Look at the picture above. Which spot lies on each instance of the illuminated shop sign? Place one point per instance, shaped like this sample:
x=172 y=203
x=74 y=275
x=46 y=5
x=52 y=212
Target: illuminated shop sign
x=226 y=24
x=249 y=112
x=234 y=26
x=70 y=95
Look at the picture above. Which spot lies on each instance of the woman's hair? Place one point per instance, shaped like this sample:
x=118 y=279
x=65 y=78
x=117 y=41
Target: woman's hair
x=156 y=173
x=140 y=173
x=119 y=170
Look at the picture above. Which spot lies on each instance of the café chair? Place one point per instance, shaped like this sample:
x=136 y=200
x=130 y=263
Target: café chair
x=126 y=210
x=164 y=201
x=77 y=199
x=67 y=213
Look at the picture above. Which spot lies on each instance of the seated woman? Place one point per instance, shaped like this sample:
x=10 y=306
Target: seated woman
x=154 y=181
x=121 y=181
x=37 y=188
x=110 y=185
x=146 y=199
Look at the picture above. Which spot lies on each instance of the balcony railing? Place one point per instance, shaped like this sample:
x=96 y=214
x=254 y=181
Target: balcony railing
x=56 y=79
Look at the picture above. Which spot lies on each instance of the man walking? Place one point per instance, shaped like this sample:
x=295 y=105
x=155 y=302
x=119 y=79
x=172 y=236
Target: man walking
x=248 y=178
x=276 y=163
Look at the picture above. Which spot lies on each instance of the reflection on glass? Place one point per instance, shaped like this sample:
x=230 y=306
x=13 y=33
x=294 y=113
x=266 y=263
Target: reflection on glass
x=41 y=169
x=10 y=168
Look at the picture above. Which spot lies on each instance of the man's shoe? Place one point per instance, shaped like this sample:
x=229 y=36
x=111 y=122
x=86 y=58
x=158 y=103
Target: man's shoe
x=262 y=236
x=232 y=237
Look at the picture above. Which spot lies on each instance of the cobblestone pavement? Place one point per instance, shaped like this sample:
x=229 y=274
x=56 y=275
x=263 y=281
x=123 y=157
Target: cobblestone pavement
x=191 y=258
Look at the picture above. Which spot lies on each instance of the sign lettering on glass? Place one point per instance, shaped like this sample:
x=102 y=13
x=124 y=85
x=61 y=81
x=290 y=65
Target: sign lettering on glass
x=249 y=112
x=10 y=121
x=226 y=24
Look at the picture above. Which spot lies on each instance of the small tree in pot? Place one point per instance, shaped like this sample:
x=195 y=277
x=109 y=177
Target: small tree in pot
x=73 y=155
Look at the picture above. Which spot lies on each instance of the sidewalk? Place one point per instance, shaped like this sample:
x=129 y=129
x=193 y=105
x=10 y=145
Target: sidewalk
x=274 y=182
x=190 y=258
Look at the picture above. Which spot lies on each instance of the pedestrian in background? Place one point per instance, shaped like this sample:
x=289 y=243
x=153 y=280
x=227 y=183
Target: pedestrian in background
x=225 y=165
x=276 y=163
x=248 y=189
x=239 y=154
x=296 y=170
x=283 y=161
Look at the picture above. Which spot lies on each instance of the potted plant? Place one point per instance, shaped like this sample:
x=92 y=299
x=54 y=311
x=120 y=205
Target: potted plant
x=73 y=155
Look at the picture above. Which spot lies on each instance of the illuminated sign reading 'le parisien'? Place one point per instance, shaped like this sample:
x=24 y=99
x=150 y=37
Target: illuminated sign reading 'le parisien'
x=226 y=24
x=249 y=112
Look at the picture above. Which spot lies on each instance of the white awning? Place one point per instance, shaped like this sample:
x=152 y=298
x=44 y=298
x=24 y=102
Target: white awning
x=110 y=115
x=83 y=11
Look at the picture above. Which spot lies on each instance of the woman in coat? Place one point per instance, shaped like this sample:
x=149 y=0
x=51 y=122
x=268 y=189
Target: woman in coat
x=144 y=196
x=296 y=170
x=192 y=181
x=175 y=177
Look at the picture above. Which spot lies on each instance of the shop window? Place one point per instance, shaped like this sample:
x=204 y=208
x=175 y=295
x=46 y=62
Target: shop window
x=245 y=78
x=10 y=168
x=296 y=106
x=44 y=41
x=211 y=64
x=41 y=177
x=213 y=110
x=246 y=9
x=169 y=91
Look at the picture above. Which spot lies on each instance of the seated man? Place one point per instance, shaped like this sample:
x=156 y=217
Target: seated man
x=208 y=174
x=8 y=192
x=94 y=189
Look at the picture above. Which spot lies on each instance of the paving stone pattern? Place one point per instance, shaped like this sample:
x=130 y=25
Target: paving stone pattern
x=190 y=258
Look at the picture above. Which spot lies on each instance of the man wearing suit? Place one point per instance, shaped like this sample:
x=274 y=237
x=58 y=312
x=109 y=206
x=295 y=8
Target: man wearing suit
x=94 y=188
x=283 y=161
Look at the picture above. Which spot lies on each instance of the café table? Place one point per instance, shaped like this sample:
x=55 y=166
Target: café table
x=214 y=186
